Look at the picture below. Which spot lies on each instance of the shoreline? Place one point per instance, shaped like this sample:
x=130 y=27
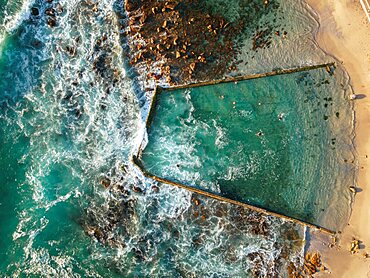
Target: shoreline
x=344 y=33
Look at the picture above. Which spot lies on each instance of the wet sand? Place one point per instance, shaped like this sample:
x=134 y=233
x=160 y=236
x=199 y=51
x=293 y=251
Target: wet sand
x=345 y=33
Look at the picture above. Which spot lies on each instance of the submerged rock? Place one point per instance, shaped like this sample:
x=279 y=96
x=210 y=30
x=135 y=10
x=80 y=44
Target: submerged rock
x=51 y=22
x=105 y=182
x=35 y=11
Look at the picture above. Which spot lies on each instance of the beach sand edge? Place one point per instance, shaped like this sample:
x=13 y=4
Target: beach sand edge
x=344 y=32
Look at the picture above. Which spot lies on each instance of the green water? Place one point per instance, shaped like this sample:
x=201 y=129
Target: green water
x=272 y=142
x=49 y=157
x=65 y=123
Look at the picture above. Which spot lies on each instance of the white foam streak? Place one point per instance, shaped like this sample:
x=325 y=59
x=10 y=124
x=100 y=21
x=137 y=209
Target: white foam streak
x=83 y=148
x=14 y=18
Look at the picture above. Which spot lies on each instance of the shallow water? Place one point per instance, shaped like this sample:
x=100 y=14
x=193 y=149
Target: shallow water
x=71 y=115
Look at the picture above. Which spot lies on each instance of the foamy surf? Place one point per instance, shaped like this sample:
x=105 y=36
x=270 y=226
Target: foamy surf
x=15 y=12
x=72 y=116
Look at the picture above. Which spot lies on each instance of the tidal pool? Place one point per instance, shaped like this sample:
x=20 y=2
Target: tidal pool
x=281 y=142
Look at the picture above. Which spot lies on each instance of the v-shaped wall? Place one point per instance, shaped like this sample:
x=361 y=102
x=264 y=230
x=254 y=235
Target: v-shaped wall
x=281 y=143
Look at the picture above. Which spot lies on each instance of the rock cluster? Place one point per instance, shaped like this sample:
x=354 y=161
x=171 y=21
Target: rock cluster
x=355 y=245
x=311 y=265
x=189 y=41
x=51 y=11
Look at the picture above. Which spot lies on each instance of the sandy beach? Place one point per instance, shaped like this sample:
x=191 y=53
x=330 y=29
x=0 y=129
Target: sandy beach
x=345 y=34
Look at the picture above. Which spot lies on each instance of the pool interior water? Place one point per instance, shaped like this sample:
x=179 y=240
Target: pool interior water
x=271 y=142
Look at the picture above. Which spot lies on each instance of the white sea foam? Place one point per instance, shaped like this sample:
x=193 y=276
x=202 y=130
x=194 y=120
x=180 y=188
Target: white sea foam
x=16 y=11
x=96 y=143
x=55 y=136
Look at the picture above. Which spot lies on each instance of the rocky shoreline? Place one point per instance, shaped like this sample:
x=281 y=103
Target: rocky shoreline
x=174 y=43
x=181 y=41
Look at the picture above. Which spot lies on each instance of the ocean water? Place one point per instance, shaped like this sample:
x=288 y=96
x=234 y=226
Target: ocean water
x=71 y=117
x=281 y=142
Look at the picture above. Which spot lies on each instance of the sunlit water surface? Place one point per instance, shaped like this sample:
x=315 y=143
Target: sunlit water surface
x=71 y=116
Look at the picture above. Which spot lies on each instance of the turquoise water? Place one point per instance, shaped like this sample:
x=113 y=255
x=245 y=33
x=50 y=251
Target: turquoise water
x=71 y=116
x=57 y=138
x=272 y=142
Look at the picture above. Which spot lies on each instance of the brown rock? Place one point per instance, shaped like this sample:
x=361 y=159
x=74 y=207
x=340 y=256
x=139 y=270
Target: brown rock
x=196 y=202
x=50 y=12
x=105 y=182
x=51 y=22
x=169 y=6
x=132 y=5
x=35 y=11
x=354 y=246
x=316 y=259
x=137 y=189
x=192 y=66
x=95 y=8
